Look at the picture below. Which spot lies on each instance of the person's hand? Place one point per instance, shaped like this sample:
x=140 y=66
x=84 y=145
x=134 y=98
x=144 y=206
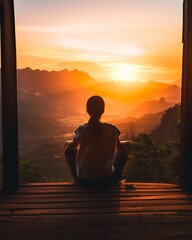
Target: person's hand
x=127 y=145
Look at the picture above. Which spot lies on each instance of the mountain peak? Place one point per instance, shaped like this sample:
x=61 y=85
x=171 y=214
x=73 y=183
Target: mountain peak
x=151 y=107
x=162 y=100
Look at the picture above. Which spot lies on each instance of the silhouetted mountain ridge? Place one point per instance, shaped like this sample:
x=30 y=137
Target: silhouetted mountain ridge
x=135 y=126
x=154 y=106
x=72 y=88
x=45 y=81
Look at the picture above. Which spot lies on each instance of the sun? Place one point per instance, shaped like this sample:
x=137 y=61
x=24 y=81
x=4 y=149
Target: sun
x=124 y=72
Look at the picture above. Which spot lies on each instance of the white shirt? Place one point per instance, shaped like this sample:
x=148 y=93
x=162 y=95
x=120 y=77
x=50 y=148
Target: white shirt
x=96 y=154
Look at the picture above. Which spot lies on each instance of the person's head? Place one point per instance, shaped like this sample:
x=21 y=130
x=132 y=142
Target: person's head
x=95 y=108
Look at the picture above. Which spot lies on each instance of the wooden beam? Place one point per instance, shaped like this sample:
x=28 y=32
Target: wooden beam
x=9 y=97
x=186 y=102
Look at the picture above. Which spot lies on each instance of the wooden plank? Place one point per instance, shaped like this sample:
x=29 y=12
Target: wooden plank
x=90 y=191
x=99 y=219
x=117 y=205
x=63 y=189
x=86 y=190
x=71 y=184
x=117 y=209
x=93 y=197
x=133 y=231
x=91 y=222
x=94 y=204
x=46 y=212
x=58 y=198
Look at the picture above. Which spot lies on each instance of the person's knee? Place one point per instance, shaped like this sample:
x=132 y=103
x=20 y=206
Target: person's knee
x=121 y=155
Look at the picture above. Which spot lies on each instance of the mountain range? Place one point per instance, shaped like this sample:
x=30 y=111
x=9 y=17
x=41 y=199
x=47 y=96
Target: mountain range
x=70 y=89
x=154 y=106
x=52 y=104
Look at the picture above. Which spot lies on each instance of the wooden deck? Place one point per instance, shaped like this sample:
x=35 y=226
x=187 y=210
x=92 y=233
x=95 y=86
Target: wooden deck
x=67 y=211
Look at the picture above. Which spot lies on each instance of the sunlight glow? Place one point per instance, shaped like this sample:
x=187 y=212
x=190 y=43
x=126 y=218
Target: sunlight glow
x=124 y=72
x=120 y=40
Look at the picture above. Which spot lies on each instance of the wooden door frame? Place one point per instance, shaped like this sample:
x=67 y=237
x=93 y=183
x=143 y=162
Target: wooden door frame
x=186 y=96
x=9 y=97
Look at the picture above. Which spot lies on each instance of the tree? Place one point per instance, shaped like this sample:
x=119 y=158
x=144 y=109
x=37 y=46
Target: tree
x=174 y=164
x=144 y=162
x=131 y=132
x=29 y=171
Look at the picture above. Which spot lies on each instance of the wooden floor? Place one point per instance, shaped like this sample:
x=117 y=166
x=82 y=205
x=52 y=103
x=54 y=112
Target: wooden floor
x=67 y=211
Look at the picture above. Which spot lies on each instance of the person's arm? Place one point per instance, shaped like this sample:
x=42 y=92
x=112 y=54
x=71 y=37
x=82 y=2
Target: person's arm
x=121 y=147
x=71 y=146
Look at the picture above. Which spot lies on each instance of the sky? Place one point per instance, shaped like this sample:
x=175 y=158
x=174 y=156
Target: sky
x=121 y=40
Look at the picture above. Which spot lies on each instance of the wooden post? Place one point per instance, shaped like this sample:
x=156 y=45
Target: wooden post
x=9 y=97
x=186 y=101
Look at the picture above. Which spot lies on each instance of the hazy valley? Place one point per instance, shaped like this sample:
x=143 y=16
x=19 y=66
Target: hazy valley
x=52 y=104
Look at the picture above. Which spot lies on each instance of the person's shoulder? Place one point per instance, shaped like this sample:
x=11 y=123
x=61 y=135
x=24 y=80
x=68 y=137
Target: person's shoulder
x=80 y=128
x=79 y=132
x=110 y=126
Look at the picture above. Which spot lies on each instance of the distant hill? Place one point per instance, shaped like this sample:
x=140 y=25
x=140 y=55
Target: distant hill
x=37 y=116
x=177 y=82
x=130 y=127
x=72 y=88
x=52 y=104
x=42 y=81
x=171 y=93
x=151 y=107
x=162 y=126
x=169 y=128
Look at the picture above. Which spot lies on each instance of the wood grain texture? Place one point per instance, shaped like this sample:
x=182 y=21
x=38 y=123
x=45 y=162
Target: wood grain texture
x=67 y=211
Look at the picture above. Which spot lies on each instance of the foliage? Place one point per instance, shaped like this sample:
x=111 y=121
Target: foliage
x=28 y=171
x=150 y=162
x=153 y=157
x=156 y=157
x=170 y=125
x=175 y=164
x=144 y=163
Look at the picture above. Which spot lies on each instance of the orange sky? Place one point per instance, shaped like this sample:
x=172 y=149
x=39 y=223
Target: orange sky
x=113 y=39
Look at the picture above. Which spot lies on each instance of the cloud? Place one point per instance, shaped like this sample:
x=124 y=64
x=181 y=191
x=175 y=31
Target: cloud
x=69 y=28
